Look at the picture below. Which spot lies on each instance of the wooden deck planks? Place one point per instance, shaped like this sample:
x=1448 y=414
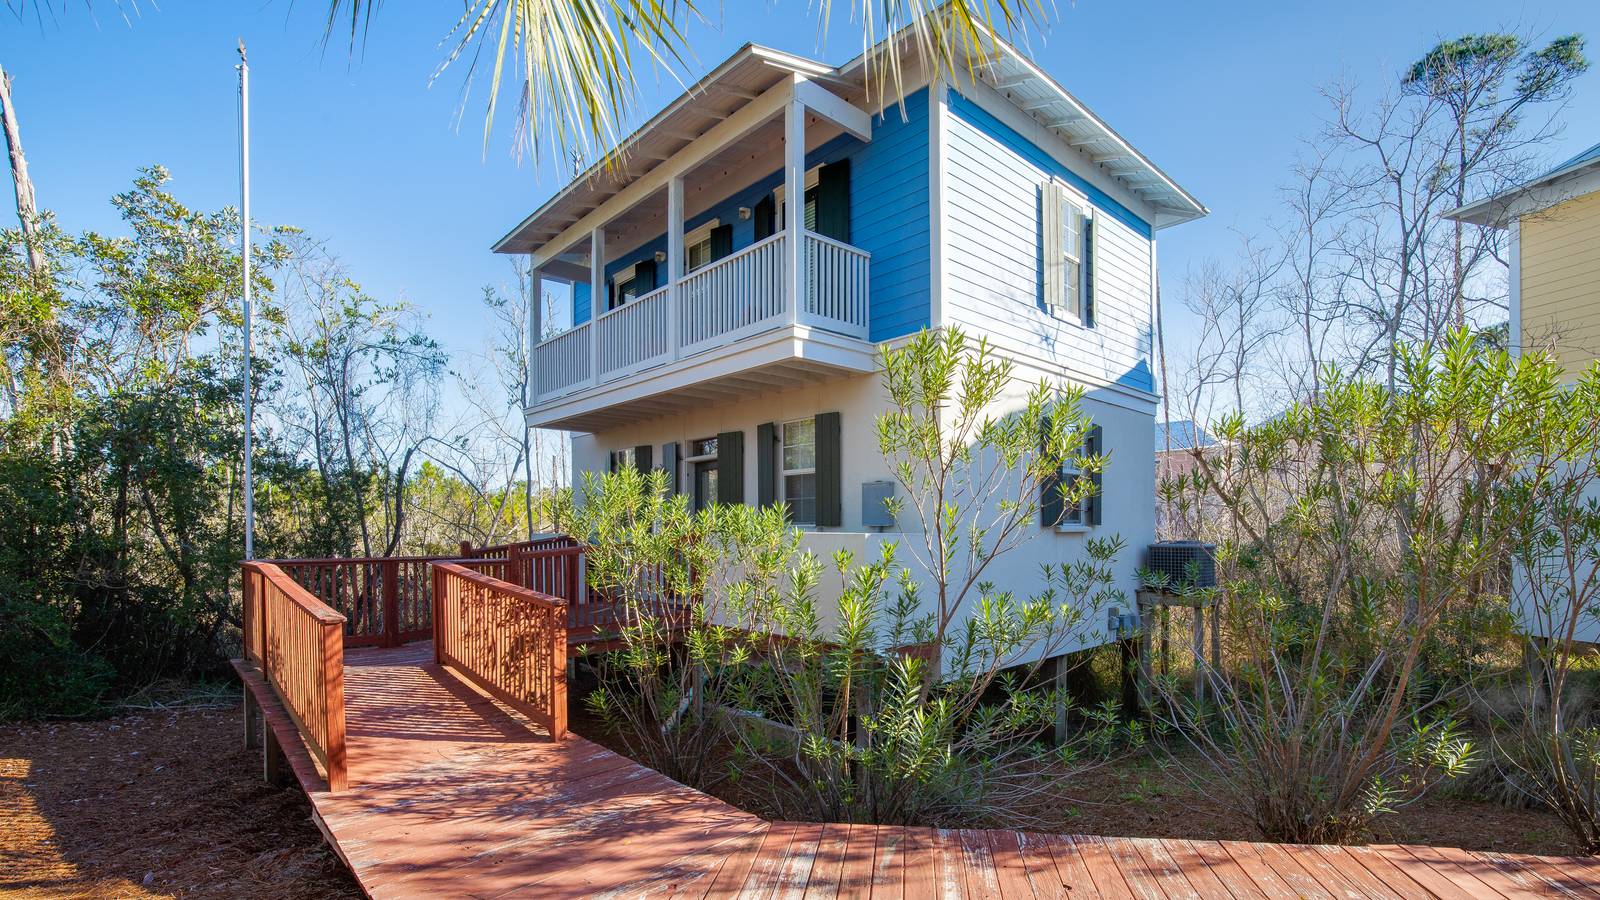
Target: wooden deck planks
x=454 y=795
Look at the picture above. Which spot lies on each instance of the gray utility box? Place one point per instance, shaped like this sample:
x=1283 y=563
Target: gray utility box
x=873 y=513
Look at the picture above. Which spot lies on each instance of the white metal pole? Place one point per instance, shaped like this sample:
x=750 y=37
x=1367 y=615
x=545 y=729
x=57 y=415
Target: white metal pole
x=244 y=256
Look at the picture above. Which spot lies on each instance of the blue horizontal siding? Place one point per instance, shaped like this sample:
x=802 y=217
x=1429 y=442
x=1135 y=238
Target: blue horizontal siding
x=888 y=218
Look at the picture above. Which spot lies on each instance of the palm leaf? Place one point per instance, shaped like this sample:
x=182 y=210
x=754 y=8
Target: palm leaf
x=576 y=59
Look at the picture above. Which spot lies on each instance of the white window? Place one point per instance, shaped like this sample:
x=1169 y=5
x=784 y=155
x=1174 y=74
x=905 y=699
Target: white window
x=799 y=467
x=624 y=287
x=1074 y=515
x=702 y=463
x=697 y=246
x=1068 y=226
x=813 y=176
x=623 y=459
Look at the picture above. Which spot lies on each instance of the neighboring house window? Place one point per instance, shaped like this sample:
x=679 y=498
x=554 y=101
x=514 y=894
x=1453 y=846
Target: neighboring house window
x=799 y=459
x=697 y=247
x=1068 y=225
x=702 y=463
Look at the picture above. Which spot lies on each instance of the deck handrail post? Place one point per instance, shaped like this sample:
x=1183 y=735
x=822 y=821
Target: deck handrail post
x=333 y=704
x=558 y=673
x=438 y=613
x=466 y=549
x=390 y=573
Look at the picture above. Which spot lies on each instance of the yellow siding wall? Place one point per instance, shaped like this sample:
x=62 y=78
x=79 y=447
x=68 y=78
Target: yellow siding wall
x=1561 y=281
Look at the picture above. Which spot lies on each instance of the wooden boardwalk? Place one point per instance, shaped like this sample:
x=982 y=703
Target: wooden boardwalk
x=453 y=795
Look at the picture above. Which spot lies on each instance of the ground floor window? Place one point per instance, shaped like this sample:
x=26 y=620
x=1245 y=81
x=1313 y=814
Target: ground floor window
x=702 y=463
x=800 y=470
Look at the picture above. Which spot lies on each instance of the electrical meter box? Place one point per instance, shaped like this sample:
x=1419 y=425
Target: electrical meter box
x=873 y=513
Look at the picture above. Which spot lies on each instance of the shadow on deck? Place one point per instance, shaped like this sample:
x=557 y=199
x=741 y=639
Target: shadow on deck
x=453 y=794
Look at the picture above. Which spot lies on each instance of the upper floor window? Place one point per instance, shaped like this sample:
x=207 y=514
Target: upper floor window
x=1068 y=239
x=697 y=246
x=632 y=282
x=800 y=470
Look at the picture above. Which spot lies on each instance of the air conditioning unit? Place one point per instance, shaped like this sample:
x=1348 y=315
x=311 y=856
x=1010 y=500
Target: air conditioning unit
x=1174 y=558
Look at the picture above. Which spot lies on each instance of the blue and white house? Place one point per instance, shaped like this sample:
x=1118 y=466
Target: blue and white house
x=732 y=342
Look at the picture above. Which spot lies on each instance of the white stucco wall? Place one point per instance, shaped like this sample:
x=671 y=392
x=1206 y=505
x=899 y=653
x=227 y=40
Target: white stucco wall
x=1127 y=420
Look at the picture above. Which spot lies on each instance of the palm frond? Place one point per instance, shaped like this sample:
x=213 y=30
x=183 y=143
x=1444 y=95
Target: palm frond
x=577 y=58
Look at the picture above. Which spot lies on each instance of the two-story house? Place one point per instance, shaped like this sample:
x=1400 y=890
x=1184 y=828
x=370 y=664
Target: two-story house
x=730 y=339
x=1553 y=225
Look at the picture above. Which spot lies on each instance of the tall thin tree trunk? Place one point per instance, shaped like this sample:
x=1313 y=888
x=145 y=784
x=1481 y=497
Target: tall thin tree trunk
x=27 y=210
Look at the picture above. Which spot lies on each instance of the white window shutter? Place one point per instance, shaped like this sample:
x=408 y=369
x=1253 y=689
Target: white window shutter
x=1050 y=228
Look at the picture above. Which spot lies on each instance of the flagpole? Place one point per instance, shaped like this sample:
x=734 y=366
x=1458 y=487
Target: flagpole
x=244 y=256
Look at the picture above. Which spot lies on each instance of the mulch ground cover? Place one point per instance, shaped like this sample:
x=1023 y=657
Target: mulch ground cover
x=164 y=803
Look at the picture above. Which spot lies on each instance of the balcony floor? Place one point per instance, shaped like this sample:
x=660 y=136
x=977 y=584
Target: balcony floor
x=783 y=358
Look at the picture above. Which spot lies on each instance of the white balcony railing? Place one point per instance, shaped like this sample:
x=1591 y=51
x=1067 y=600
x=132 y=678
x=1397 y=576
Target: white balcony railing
x=739 y=295
x=634 y=335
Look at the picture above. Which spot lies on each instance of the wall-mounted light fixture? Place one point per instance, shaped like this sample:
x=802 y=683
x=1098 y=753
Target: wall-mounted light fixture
x=744 y=213
x=661 y=256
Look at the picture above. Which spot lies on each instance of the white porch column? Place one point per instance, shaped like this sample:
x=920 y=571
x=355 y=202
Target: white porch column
x=674 y=262
x=794 y=190
x=597 y=290
x=535 y=330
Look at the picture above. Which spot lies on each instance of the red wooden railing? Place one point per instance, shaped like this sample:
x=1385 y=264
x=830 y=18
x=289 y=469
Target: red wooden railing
x=508 y=640
x=299 y=643
x=387 y=601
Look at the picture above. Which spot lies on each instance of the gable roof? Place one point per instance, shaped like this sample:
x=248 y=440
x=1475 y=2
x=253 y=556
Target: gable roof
x=1554 y=186
x=753 y=69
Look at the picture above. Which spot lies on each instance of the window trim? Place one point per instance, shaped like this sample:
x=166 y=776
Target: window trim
x=812 y=179
x=784 y=471
x=1059 y=194
x=692 y=239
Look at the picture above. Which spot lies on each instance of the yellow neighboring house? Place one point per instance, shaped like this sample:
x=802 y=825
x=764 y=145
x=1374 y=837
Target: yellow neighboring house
x=1554 y=222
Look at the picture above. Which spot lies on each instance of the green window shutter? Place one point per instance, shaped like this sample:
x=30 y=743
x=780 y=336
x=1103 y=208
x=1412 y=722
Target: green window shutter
x=766 y=464
x=1050 y=505
x=644 y=277
x=833 y=201
x=669 y=461
x=721 y=245
x=1095 y=443
x=765 y=217
x=830 y=508
x=641 y=458
x=730 y=467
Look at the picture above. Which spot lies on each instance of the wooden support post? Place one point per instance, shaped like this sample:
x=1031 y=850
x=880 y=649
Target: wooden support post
x=273 y=762
x=466 y=550
x=252 y=720
x=1144 y=654
x=1198 y=647
x=389 y=572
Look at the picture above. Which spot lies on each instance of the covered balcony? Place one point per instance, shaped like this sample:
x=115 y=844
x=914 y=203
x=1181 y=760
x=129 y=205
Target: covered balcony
x=690 y=281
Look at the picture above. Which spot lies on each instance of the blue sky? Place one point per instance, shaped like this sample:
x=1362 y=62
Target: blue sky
x=362 y=151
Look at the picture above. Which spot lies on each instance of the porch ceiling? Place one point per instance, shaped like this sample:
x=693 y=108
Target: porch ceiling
x=743 y=77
